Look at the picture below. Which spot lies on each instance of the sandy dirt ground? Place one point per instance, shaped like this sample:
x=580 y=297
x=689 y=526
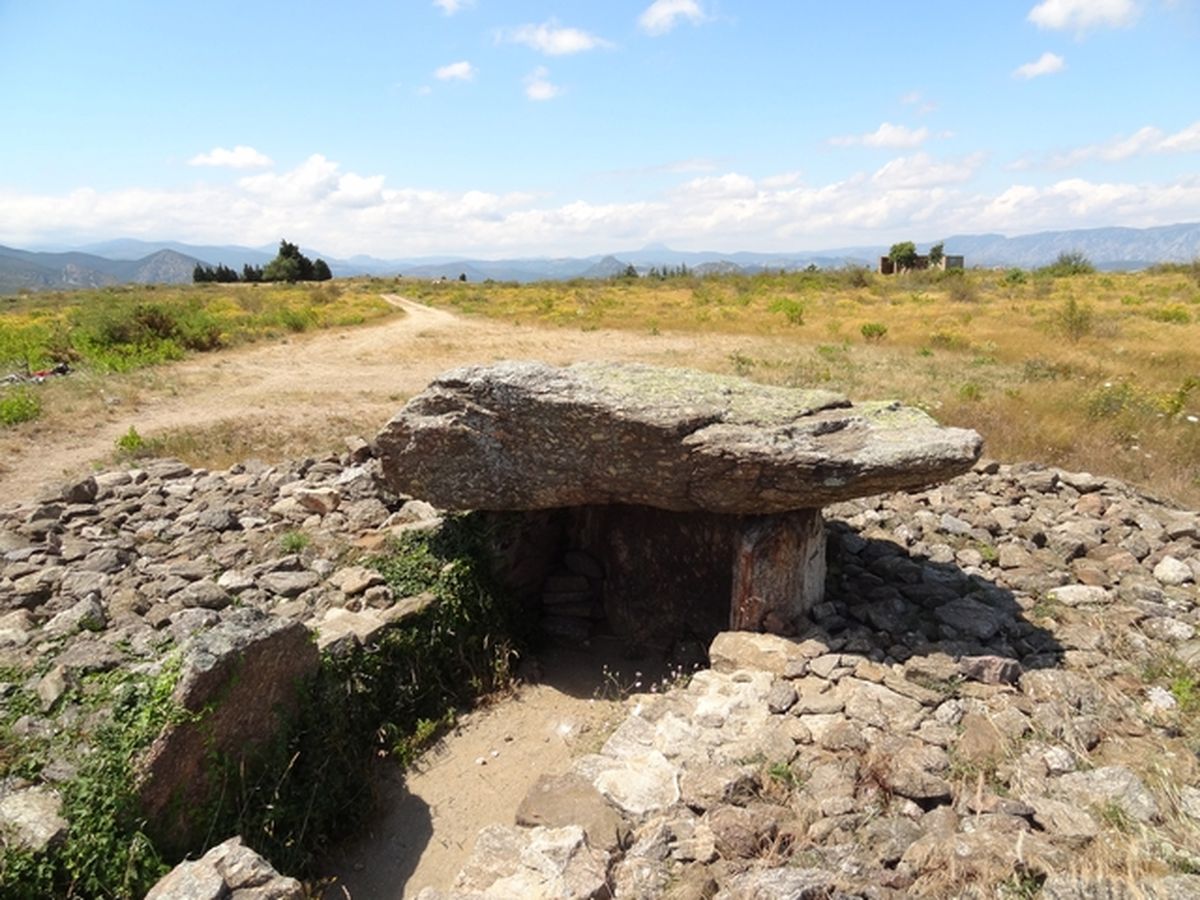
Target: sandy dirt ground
x=363 y=373
x=479 y=773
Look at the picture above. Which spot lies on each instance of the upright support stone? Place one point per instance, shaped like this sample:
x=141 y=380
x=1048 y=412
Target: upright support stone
x=778 y=571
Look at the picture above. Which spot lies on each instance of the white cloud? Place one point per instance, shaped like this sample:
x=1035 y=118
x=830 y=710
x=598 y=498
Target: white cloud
x=1185 y=141
x=1046 y=64
x=240 y=157
x=1143 y=142
x=538 y=85
x=1080 y=15
x=663 y=15
x=450 y=7
x=551 y=39
x=456 y=71
x=886 y=135
x=921 y=170
x=319 y=204
x=917 y=100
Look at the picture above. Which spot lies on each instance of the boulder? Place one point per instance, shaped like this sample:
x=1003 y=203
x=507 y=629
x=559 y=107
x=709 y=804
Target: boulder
x=525 y=435
x=242 y=680
x=228 y=869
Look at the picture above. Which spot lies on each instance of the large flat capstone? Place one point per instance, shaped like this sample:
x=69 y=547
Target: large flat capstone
x=525 y=435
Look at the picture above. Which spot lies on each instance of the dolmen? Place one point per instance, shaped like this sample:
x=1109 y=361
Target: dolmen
x=665 y=502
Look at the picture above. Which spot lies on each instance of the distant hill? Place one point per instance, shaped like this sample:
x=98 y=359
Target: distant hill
x=127 y=260
x=1108 y=248
x=23 y=269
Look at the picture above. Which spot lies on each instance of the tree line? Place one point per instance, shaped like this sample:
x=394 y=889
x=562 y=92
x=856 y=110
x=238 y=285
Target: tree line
x=288 y=265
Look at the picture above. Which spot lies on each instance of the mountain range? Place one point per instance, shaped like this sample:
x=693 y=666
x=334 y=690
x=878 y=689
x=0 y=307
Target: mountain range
x=126 y=260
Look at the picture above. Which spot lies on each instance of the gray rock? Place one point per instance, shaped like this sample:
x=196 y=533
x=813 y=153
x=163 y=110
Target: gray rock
x=107 y=560
x=244 y=679
x=782 y=697
x=732 y=650
x=229 y=869
x=86 y=614
x=778 y=884
x=1171 y=571
x=668 y=438
x=537 y=864
x=31 y=818
x=354 y=580
x=1110 y=784
x=205 y=594
x=288 y=584
x=990 y=669
x=968 y=616
x=1079 y=595
x=556 y=801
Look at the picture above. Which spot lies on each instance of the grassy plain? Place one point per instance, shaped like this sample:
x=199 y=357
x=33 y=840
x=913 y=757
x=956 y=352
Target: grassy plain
x=1096 y=372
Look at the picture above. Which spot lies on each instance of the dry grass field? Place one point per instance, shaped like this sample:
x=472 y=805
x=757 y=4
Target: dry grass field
x=1095 y=372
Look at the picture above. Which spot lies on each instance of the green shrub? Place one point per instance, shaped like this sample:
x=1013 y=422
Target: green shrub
x=792 y=309
x=19 y=405
x=1069 y=262
x=294 y=541
x=1075 y=320
x=131 y=444
x=1015 y=276
x=874 y=331
x=959 y=288
x=1172 y=315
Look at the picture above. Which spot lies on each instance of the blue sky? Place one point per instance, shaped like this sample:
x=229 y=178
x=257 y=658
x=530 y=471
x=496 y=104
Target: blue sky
x=488 y=128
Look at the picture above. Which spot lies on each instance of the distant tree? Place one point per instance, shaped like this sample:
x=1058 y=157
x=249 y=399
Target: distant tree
x=462 y=276
x=904 y=255
x=630 y=272
x=251 y=274
x=289 y=265
x=202 y=274
x=936 y=254
x=282 y=268
x=321 y=271
x=225 y=274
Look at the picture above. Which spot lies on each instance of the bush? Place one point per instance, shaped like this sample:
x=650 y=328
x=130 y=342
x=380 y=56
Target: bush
x=19 y=405
x=874 y=331
x=1015 y=276
x=1075 y=319
x=793 y=310
x=959 y=288
x=1172 y=315
x=1069 y=262
x=131 y=444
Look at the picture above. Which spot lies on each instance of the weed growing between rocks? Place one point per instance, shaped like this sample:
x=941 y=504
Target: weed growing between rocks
x=390 y=698
x=292 y=797
x=104 y=852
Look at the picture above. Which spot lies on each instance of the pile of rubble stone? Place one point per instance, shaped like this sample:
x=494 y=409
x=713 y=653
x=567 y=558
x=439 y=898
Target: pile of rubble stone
x=977 y=701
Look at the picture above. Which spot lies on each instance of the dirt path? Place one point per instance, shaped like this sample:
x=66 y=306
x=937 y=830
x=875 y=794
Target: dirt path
x=478 y=774
x=324 y=379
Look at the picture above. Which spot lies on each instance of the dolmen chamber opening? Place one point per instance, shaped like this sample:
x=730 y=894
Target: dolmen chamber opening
x=660 y=502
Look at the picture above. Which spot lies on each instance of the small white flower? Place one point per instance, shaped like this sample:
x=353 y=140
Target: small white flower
x=1193 y=419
